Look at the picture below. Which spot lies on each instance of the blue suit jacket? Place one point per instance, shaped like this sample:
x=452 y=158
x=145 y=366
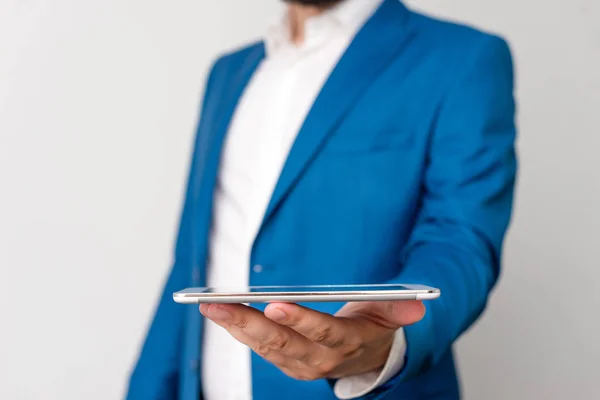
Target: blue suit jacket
x=402 y=172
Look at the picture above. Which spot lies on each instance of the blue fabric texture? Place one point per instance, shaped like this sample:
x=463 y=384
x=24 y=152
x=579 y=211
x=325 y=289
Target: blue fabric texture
x=402 y=172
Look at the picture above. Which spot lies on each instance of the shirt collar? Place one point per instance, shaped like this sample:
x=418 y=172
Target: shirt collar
x=348 y=15
x=352 y=14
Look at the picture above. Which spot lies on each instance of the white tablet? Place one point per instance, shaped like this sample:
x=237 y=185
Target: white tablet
x=298 y=294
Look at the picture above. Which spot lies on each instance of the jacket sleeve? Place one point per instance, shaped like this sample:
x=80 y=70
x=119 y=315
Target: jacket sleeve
x=468 y=191
x=156 y=373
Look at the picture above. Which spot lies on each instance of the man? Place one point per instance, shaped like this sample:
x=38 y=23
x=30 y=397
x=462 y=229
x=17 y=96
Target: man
x=359 y=143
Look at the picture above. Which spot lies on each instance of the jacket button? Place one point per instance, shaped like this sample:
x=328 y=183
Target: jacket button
x=257 y=268
x=196 y=275
x=194 y=364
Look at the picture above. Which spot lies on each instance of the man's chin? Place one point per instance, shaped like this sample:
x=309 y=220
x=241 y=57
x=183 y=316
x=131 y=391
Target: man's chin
x=313 y=2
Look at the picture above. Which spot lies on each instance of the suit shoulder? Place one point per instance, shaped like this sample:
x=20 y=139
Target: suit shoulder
x=455 y=40
x=237 y=56
x=450 y=51
x=226 y=66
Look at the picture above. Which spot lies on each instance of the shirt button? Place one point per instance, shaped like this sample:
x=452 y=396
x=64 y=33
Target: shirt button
x=257 y=268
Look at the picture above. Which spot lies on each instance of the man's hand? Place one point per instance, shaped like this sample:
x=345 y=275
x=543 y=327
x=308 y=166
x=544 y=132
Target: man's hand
x=309 y=345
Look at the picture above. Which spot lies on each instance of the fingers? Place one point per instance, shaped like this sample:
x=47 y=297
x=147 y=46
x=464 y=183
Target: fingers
x=324 y=329
x=268 y=339
x=354 y=324
x=308 y=345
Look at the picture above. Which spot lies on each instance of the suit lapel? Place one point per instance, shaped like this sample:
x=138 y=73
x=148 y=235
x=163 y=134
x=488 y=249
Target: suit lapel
x=238 y=82
x=373 y=48
x=232 y=87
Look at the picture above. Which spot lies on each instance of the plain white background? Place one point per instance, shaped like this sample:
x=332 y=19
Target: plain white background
x=98 y=102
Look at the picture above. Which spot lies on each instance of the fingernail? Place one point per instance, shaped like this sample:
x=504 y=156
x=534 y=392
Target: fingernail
x=217 y=313
x=277 y=314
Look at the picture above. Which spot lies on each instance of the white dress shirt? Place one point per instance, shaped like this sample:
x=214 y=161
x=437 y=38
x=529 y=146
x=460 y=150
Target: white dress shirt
x=264 y=126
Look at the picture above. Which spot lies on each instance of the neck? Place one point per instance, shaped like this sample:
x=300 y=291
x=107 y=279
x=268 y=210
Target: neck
x=298 y=14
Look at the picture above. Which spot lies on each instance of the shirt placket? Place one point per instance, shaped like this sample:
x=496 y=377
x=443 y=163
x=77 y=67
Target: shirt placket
x=271 y=154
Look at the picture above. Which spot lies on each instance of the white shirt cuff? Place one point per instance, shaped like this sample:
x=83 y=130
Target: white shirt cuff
x=356 y=386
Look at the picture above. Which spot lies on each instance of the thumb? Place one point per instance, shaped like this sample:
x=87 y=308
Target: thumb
x=405 y=312
x=388 y=314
